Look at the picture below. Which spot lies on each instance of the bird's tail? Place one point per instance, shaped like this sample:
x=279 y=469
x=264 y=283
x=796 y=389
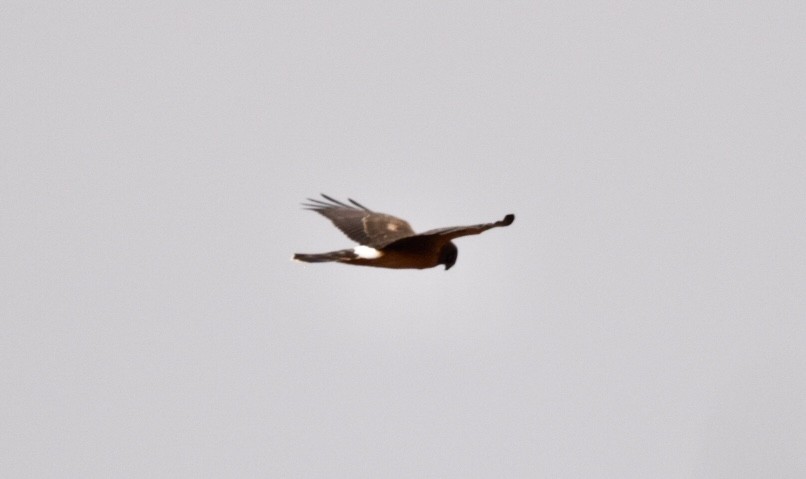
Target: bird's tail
x=341 y=255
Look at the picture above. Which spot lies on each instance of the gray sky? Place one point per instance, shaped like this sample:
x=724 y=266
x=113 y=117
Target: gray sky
x=643 y=316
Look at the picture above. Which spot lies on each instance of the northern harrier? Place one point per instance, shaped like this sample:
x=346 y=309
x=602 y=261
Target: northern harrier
x=389 y=242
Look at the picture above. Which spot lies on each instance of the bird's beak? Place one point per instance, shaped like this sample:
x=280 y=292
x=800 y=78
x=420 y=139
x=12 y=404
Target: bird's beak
x=447 y=267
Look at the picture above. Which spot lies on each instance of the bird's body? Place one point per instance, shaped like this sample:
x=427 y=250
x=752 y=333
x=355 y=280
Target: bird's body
x=389 y=242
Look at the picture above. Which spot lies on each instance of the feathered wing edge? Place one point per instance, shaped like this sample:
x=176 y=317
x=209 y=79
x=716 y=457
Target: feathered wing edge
x=319 y=205
x=459 y=231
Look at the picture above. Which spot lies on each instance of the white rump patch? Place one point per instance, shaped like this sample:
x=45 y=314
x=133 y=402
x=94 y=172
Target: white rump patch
x=367 y=252
x=391 y=226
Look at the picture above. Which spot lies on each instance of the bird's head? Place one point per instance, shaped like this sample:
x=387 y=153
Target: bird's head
x=448 y=255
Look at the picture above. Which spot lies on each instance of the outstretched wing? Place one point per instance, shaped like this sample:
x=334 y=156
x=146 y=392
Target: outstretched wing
x=452 y=232
x=359 y=223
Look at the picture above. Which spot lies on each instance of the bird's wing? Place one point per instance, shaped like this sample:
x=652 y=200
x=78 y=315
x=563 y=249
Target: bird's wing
x=359 y=223
x=453 y=232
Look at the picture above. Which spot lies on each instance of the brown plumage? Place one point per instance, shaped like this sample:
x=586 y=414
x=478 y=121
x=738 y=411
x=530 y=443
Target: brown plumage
x=386 y=241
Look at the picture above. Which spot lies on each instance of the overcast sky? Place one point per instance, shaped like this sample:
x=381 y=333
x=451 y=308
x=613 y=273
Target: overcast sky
x=644 y=317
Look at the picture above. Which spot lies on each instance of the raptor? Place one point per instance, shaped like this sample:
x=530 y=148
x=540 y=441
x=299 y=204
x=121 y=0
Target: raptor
x=385 y=241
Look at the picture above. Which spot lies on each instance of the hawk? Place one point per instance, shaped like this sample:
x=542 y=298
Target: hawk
x=385 y=241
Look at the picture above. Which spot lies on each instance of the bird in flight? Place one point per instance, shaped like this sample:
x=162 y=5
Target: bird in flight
x=385 y=241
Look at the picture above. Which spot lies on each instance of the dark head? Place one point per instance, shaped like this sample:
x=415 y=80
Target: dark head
x=448 y=254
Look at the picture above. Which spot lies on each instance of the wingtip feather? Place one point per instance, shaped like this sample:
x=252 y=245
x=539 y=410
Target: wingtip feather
x=358 y=204
x=319 y=205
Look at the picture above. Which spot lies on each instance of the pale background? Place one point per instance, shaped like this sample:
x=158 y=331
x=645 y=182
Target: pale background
x=642 y=318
